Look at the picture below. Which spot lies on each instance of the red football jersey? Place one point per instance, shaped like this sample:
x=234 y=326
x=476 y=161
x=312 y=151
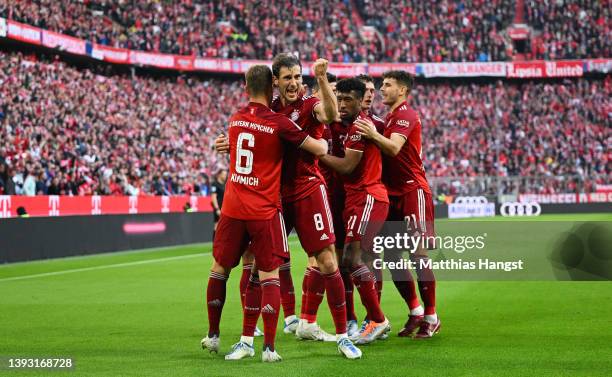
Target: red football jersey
x=404 y=172
x=378 y=122
x=367 y=175
x=301 y=175
x=256 y=136
x=335 y=134
x=327 y=173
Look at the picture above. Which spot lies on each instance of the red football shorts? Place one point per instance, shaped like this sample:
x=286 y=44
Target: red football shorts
x=268 y=242
x=311 y=217
x=364 y=217
x=416 y=209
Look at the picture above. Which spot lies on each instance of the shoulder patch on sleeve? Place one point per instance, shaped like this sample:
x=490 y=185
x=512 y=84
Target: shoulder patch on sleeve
x=403 y=123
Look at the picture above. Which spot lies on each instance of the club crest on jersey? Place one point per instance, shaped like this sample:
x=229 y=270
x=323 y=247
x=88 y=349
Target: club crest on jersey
x=355 y=137
x=295 y=115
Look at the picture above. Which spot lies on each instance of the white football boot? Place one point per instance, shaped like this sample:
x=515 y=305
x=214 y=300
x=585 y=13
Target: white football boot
x=211 y=344
x=239 y=351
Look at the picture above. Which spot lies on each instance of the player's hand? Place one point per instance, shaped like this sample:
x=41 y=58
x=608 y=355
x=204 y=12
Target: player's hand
x=222 y=144
x=320 y=68
x=366 y=128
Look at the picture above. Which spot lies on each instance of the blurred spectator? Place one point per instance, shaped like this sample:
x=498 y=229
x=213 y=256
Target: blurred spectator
x=29 y=185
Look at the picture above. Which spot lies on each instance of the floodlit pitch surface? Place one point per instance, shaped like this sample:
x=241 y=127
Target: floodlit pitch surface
x=143 y=314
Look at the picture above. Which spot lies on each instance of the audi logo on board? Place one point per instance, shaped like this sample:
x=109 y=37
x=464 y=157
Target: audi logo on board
x=471 y=200
x=520 y=209
x=470 y=206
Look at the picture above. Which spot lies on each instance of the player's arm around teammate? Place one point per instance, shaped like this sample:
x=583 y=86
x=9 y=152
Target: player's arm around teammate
x=366 y=200
x=390 y=146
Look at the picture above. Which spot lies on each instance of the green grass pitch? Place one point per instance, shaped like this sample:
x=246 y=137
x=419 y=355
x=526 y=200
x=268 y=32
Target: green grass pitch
x=142 y=314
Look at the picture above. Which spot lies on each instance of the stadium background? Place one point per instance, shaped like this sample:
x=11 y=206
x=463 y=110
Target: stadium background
x=111 y=107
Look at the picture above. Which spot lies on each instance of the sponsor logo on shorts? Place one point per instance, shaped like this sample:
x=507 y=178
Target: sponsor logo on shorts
x=324 y=237
x=350 y=233
x=268 y=309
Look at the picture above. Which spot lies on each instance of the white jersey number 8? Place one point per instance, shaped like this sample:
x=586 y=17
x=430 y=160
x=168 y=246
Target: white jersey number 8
x=247 y=168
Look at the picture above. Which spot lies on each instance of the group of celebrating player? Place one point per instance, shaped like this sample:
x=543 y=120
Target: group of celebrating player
x=327 y=167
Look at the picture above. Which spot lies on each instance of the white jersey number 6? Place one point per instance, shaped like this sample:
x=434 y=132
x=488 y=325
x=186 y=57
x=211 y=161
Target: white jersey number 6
x=247 y=168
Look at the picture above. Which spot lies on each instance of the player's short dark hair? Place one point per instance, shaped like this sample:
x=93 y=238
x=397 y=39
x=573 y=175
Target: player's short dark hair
x=365 y=78
x=349 y=85
x=402 y=77
x=258 y=79
x=330 y=78
x=284 y=59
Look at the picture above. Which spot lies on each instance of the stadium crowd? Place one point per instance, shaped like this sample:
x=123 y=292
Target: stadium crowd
x=570 y=29
x=421 y=31
x=70 y=131
x=409 y=30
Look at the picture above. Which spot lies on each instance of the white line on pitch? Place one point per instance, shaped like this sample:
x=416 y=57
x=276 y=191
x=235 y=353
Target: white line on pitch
x=127 y=264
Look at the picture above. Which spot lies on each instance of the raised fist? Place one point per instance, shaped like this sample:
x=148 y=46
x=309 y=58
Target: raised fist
x=320 y=68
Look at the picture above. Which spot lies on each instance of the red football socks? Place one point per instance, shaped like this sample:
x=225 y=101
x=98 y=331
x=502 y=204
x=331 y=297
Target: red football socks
x=270 y=306
x=252 y=306
x=215 y=298
x=336 y=300
x=315 y=290
x=364 y=281
x=348 y=293
x=244 y=280
x=404 y=282
x=286 y=289
x=379 y=282
x=427 y=287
